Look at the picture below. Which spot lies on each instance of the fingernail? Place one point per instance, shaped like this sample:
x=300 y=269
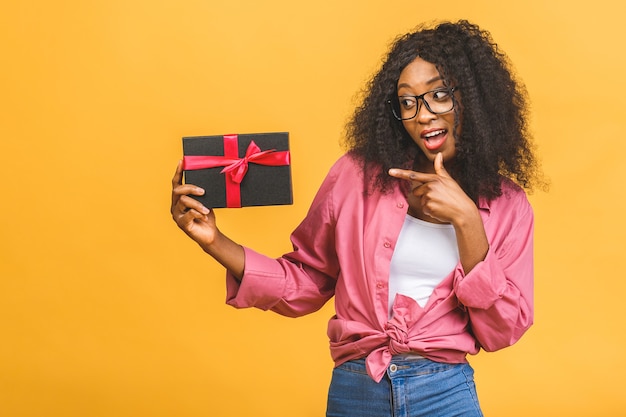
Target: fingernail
x=205 y=210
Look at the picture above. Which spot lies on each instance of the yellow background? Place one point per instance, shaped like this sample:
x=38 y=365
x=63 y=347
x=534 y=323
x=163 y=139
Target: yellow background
x=107 y=309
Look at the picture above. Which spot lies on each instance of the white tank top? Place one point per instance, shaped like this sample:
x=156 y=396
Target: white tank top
x=425 y=254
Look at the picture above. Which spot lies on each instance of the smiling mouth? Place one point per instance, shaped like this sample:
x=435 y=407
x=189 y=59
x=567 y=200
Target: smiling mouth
x=434 y=139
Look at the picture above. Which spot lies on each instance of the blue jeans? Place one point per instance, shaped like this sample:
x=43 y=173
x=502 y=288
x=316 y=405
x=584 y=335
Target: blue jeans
x=412 y=387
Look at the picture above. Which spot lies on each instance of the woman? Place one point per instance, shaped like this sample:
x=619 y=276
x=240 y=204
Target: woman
x=421 y=231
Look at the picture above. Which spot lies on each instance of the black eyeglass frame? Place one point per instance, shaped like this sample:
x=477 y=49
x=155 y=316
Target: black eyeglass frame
x=419 y=98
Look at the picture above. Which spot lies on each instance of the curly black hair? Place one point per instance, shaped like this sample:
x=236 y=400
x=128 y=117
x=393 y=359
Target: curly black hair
x=494 y=141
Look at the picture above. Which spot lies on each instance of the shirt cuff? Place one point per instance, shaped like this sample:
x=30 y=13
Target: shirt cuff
x=483 y=286
x=262 y=285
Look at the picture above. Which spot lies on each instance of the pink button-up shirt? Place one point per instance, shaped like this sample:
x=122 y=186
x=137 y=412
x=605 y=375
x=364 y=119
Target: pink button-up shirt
x=343 y=247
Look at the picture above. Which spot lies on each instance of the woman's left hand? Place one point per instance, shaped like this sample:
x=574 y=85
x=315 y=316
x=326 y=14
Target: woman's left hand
x=440 y=197
x=437 y=195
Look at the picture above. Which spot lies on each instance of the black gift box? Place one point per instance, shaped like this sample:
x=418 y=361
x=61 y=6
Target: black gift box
x=266 y=182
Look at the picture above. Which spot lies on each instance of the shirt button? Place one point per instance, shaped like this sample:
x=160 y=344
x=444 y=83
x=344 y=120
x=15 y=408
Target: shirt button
x=379 y=285
x=393 y=367
x=387 y=244
x=400 y=205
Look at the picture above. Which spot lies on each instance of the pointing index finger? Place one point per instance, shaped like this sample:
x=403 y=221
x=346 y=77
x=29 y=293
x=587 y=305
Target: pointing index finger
x=406 y=174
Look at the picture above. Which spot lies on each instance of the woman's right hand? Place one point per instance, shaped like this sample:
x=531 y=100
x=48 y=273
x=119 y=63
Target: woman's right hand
x=197 y=221
x=199 y=224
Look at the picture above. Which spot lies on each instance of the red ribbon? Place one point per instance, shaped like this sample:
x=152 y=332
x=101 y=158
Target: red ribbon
x=236 y=168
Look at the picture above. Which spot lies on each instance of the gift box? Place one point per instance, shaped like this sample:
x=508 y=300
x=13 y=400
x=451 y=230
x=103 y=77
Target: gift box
x=239 y=170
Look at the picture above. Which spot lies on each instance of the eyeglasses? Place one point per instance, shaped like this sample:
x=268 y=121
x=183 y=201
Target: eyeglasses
x=436 y=101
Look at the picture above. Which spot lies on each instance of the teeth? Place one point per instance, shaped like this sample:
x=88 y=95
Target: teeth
x=434 y=133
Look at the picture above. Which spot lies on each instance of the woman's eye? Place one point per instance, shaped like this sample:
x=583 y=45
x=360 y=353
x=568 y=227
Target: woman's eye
x=441 y=94
x=407 y=102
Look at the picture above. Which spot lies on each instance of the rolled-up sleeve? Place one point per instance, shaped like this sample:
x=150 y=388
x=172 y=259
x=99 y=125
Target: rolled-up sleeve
x=262 y=286
x=498 y=292
x=299 y=282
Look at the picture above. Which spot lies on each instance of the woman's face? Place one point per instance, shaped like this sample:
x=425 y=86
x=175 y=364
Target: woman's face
x=433 y=133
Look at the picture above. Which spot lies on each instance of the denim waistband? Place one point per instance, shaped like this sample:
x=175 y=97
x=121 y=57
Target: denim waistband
x=407 y=357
